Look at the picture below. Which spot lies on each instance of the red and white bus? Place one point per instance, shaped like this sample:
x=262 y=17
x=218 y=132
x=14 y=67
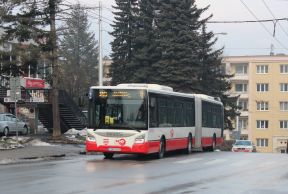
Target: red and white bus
x=150 y=118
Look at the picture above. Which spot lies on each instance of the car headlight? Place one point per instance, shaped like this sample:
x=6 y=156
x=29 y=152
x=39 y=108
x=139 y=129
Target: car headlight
x=90 y=137
x=140 y=139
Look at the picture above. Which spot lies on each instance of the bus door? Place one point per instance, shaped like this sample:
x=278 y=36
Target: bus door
x=198 y=122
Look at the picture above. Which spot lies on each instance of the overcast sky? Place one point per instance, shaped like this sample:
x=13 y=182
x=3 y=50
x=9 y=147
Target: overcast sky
x=241 y=39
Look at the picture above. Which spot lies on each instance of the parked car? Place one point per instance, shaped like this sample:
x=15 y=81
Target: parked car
x=243 y=146
x=9 y=124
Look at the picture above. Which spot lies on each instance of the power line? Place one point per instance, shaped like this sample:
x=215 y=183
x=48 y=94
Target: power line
x=262 y=24
x=247 y=21
x=103 y=18
x=274 y=17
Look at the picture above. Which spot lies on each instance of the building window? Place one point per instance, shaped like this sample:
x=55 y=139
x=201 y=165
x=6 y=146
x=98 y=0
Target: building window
x=284 y=87
x=262 y=106
x=284 y=68
x=262 y=124
x=243 y=104
x=262 y=142
x=242 y=123
x=241 y=87
x=284 y=106
x=262 y=87
x=262 y=69
x=241 y=69
x=284 y=124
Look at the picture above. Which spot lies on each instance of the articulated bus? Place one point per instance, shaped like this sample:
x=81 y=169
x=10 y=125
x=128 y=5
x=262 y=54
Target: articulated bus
x=150 y=118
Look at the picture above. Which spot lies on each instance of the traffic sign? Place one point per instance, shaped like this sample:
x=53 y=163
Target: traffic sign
x=15 y=88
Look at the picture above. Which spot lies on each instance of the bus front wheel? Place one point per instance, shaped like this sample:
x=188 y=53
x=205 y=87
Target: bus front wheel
x=108 y=155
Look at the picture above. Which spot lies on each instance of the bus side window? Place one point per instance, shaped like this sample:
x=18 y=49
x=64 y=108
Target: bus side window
x=153 y=112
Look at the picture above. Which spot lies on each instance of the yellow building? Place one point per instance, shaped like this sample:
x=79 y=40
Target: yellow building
x=262 y=83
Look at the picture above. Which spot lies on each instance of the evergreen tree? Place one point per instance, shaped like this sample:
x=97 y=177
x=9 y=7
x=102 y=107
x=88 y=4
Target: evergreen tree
x=124 y=35
x=144 y=52
x=79 y=50
x=213 y=80
x=177 y=25
x=30 y=20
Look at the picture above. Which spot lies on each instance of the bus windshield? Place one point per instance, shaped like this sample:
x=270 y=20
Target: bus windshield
x=117 y=109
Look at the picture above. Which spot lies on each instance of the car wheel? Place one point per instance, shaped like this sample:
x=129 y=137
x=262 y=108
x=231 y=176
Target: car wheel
x=189 y=145
x=25 y=130
x=161 y=148
x=108 y=155
x=6 y=131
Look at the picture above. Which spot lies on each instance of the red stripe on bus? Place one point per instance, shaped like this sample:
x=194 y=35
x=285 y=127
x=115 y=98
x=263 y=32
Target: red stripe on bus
x=149 y=147
x=175 y=144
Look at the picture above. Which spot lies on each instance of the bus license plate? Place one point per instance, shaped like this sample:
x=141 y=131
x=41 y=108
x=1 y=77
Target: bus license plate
x=114 y=149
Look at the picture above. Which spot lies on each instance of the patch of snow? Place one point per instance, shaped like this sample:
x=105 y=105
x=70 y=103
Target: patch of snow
x=7 y=161
x=38 y=142
x=20 y=138
x=75 y=132
x=10 y=146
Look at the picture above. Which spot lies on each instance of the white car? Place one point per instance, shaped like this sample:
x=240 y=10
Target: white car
x=9 y=124
x=243 y=146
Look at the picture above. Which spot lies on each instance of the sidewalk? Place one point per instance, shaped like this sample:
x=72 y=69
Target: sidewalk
x=40 y=148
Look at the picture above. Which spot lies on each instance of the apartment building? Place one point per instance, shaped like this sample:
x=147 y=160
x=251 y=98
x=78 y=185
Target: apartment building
x=262 y=84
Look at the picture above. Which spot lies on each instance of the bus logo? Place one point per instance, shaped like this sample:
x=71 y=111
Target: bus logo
x=121 y=142
x=171 y=132
x=105 y=141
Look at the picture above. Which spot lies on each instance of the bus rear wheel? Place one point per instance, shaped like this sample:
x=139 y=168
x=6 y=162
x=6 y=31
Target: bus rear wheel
x=161 y=149
x=108 y=155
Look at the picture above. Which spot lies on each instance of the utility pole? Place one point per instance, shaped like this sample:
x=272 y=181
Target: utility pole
x=100 y=69
x=55 y=73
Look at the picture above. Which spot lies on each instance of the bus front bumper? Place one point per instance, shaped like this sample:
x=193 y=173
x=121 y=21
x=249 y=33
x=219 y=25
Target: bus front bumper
x=143 y=148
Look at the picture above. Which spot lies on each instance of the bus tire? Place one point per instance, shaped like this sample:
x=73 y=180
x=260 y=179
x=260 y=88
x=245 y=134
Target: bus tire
x=108 y=155
x=162 y=147
x=189 y=144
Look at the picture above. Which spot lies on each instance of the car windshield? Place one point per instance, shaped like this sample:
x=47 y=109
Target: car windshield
x=247 y=143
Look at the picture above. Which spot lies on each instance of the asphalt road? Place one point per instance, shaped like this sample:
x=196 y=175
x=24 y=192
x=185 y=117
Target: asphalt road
x=218 y=172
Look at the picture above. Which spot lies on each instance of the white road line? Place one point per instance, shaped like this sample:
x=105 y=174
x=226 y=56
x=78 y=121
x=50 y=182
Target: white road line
x=215 y=161
x=188 y=160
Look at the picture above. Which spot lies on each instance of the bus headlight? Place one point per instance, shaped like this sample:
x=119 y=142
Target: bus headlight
x=90 y=137
x=140 y=139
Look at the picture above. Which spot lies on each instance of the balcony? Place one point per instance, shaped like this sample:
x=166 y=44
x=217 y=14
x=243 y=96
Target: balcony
x=240 y=77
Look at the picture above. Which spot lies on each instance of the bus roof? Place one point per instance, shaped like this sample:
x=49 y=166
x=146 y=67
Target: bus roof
x=160 y=89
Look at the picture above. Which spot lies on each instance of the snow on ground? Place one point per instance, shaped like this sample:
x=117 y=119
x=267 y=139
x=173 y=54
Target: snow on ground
x=75 y=132
x=76 y=135
x=38 y=142
x=7 y=143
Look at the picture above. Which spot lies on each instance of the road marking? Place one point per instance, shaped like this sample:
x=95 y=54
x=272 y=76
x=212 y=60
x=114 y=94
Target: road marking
x=215 y=161
x=189 y=160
